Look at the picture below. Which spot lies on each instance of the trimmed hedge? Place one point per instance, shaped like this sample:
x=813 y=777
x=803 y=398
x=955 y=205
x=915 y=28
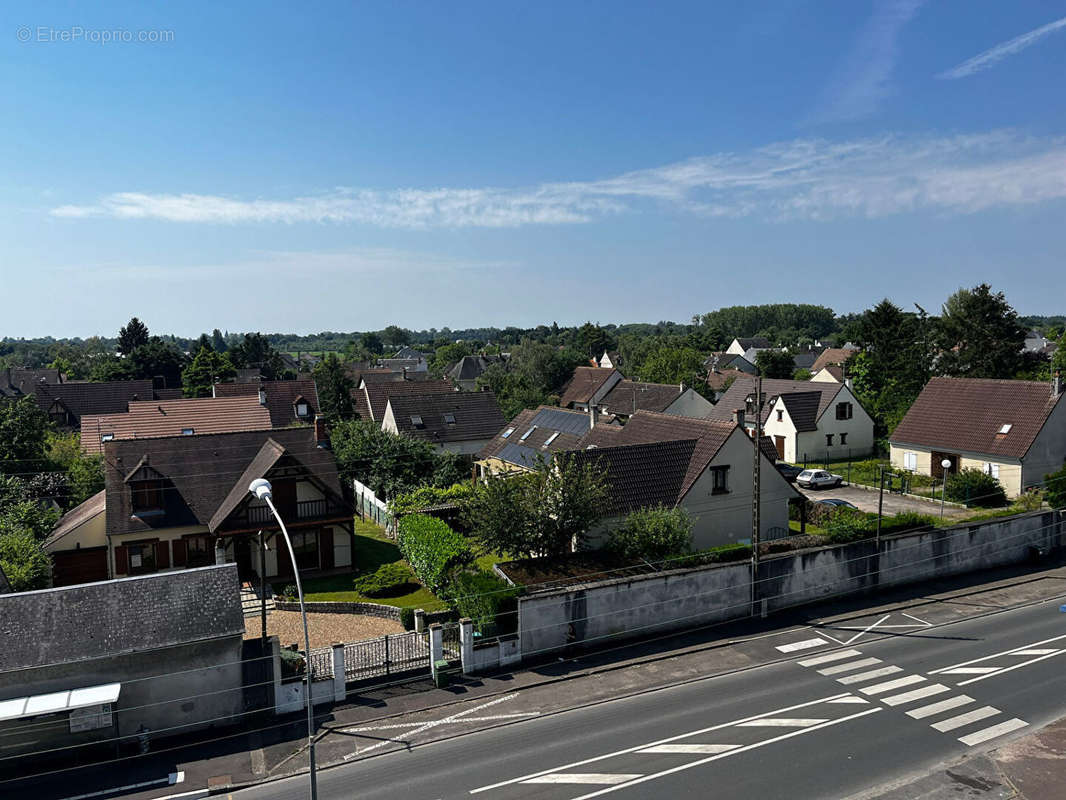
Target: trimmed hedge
x=427 y=496
x=490 y=602
x=432 y=548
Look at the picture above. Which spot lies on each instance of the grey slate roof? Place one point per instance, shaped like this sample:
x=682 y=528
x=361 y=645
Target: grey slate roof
x=802 y=409
x=477 y=416
x=17 y=381
x=641 y=475
x=98 y=620
x=627 y=397
x=546 y=421
x=736 y=395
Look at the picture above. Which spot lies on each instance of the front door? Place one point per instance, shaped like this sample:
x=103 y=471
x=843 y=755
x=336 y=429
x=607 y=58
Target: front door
x=779 y=443
x=242 y=552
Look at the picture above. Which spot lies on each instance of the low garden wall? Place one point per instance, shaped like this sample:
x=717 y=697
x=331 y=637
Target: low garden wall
x=597 y=612
x=367 y=609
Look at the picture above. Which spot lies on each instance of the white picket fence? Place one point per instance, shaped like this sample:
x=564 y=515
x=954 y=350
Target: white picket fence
x=368 y=506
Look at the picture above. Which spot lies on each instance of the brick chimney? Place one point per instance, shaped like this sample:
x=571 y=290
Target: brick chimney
x=1056 y=384
x=321 y=432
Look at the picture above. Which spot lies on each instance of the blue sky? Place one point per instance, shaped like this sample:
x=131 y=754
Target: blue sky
x=350 y=165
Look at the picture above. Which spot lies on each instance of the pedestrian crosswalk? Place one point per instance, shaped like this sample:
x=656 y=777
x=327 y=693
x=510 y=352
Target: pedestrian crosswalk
x=851 y=668
x=979 y=669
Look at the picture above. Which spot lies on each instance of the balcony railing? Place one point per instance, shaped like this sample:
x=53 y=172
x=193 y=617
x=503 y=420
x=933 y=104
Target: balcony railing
x=303 y=510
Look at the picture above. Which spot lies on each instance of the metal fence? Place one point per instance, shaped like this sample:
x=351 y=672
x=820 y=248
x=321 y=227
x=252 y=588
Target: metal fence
x=321 y=663
x=450 y=642
x=388 y=655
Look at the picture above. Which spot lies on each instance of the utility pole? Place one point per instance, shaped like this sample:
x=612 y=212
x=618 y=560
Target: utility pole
x=755 y=496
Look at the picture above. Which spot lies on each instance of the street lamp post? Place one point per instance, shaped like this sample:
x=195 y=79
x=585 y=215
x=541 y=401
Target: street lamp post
x=260 y=487
x=946 y=464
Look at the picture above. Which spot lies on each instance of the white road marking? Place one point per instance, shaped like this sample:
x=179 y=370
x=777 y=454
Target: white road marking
x=867 y=629
x=781 y=722
x=434 y=723
x=586 y=777
x=916 y=694
x=888 y=686
x=977 y=714
x=690 y=748
x=1009 y=669
x=660 y=741
x=993 y=732
x=813 y=662
x=805 y=645
x=970 y=670
x=850 y=699
x=743 y=749
x=1044 y=651
x=399 y=725
x=926 y=624
x=869 y=676
x=998 y=655
x=937 y=708
x=836 y=670
x=170 y=780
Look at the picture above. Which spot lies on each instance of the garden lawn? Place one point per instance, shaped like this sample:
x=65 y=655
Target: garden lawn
x=372 y=549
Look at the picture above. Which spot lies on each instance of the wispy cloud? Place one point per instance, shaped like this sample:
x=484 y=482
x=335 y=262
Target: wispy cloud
x=996 y=54
x=863 y=79
x=803 y=179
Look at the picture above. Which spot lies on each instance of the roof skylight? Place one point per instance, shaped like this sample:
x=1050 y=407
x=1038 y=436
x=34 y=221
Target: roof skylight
x=506 y=433
x=527 y=434
x=1006 y=428
x=550 y=439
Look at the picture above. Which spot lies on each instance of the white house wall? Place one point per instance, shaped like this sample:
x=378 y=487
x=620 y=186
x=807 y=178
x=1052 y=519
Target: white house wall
x=91 y=533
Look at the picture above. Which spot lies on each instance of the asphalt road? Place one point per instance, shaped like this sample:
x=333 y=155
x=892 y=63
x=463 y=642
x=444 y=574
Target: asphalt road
x=831 y=722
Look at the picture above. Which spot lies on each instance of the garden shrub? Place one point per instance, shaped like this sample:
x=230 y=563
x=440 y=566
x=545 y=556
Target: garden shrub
x=849 y=525
x=1056 y=488
x=432 y=548
x=486 y=599
x=292 y=663
x=389 y=580
x=653 y=534
x=427 y=496
x=290 y=592
x=407 y=618
x=975 y=488
x=906 y=521
x=723 y=554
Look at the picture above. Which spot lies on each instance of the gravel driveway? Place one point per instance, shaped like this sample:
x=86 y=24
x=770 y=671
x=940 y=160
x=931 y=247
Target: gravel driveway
x=866 y=500
x=325 y=629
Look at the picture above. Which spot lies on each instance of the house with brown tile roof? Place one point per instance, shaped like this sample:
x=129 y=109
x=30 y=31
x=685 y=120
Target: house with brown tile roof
x=832 y=357
x=588 y=386
x=292 y=402
x=456 y=422
x=720 y=380
x=1013 y=430
x=168 y=503
x=807 y=420
x=66 y=403
x=154 y=419
x=701 y=465
x=371 y=397
x=627 y=397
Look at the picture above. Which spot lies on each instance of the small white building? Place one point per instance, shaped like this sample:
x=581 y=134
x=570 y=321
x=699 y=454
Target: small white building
x=749 y=347
x=1013 y=430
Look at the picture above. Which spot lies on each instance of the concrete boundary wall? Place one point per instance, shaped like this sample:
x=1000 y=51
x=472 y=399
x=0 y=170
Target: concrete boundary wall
x=367 y=609
x=591 y=614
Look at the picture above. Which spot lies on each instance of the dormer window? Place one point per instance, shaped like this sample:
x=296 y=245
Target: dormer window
x=750 y=404
x=107 y=437
x=449 y=419
x=146 y=496
x=302 y=409
x=187 y=431
x=416 y=420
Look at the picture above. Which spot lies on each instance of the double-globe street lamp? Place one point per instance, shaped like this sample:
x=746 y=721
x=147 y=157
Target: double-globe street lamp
x=260 y=487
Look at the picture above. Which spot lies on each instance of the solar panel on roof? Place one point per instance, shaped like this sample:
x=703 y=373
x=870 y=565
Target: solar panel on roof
x=517 y=454
x=559 y=420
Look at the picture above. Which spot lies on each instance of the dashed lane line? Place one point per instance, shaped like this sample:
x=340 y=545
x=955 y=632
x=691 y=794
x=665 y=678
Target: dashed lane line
x=781 y=722
x=586 y=777
x=804 y=645
x=685 y=749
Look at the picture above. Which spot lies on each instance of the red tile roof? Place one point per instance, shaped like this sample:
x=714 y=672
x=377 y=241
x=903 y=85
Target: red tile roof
x=474 y=415
x=155 y=419
x=967 y=415
x=376 y=395
x=281 y=397
x=585 y=382
x=832 y=356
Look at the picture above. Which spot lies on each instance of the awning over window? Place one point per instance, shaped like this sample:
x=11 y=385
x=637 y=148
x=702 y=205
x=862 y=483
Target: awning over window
x=55 y=702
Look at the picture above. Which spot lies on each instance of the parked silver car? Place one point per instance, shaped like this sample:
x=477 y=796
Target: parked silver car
x=818 y=479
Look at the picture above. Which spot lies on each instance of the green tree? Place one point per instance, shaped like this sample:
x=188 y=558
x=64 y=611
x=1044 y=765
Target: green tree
x=206 y=368
x=979 y=335
x=395 y=336
x=218 y=341
x=157 y=358
x=84 y=474
x=23 y=561
x=775 y=364
x=372 y=343
x=669 y=364
x=23 y=435
x=571 y=499
x=28 y=516
x=975 y=488
x=801 y=374
x=1058 y=361
x=132 y=335
x=334 y=389
x=256 y=351
x=500 y=515
x=1056 y=488
x=448 y=354
x=592 y=340
x=653 y=534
